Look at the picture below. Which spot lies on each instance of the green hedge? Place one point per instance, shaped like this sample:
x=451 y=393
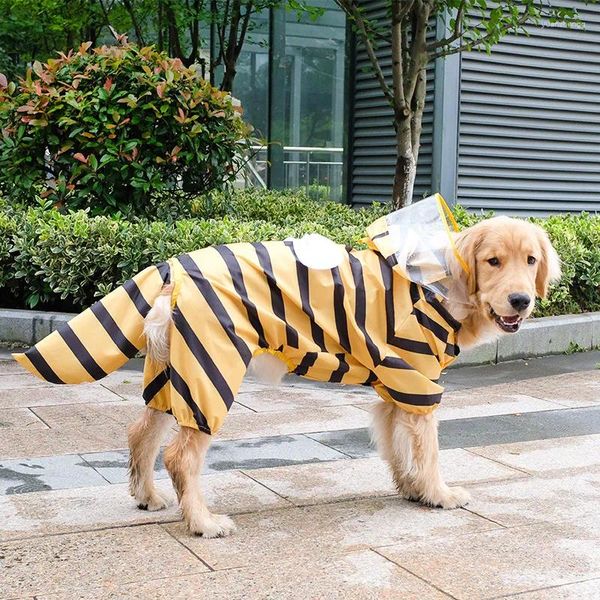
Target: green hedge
x=65 y=261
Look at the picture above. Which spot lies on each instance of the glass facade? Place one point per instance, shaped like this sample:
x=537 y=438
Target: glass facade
x=291 y=82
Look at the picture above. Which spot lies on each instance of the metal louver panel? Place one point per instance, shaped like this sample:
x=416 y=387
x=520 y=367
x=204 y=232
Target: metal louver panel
x=372 y=145
x=529 y=137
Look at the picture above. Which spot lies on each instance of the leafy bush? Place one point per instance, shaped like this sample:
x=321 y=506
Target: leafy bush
x=106 y=129
x=66 y=261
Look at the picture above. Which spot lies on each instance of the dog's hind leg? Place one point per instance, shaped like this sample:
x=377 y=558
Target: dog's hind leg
x=184 y=459
x=145 y=437
x=409 y=443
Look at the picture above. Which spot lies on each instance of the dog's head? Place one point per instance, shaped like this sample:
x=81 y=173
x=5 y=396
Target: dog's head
x=510 y=262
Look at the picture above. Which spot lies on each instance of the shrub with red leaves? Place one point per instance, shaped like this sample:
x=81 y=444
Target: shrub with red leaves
x=108 y=128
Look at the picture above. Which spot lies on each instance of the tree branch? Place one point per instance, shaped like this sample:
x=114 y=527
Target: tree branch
x=244 y=30
x=401 y=107
x=418 y=54
x=458 y=30
x=482 y=40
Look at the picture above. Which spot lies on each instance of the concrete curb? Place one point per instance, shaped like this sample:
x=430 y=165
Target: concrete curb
x=538 y=337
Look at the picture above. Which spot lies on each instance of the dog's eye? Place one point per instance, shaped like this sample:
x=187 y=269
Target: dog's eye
x=494 y=262
x=531 y=260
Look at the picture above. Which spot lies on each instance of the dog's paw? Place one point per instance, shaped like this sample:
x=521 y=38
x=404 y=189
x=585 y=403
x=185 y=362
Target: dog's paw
x=155 y=501
x=451 y=498
x=213 y=526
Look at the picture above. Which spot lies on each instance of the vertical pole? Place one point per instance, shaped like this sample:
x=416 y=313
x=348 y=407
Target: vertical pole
x=446 y=111
x=276 y=101
x=349 y=79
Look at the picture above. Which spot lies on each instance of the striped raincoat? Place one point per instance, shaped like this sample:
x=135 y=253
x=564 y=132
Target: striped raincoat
x=361 y=322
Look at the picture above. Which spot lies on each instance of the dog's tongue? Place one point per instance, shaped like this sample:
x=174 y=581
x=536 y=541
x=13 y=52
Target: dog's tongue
x=512 y=319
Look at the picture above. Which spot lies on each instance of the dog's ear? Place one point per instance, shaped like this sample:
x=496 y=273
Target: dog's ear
x=548 y=269
x=466 y=243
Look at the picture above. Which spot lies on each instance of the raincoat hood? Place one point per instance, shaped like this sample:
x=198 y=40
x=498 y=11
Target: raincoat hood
x=417 y=241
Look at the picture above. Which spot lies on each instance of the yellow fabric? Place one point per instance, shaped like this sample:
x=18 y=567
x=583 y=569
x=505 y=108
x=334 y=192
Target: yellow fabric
x=358 y=323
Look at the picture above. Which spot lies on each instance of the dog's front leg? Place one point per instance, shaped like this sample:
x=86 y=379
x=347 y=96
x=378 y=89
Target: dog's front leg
x=409 y=443
x=184 y=459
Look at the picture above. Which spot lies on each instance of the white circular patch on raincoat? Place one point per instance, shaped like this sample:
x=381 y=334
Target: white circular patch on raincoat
x=318 y=252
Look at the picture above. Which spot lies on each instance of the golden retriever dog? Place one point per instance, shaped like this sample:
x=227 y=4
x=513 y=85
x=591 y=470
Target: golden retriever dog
x=510 y=263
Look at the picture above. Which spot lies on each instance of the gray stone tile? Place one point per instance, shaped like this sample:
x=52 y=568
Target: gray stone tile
x=20 y=418
x=547 y=455
x=226 y=455
x=492 y=564
x=293 y=397
x=586 y=590
x=92 y=414
x=327 y=531
x=21 y=379
x=46 y=473
x=73 y=562
x=485 y=402
x=9 y=367
x=113 y=465
x=267 y=452
x=503 y=429
x=89 y=508
x=290 y=422
x=545 y=498
x=518 y=370
x=71 y=440
x=360 y=575
x=352 y=442
x=368 y=477
x=45 y=395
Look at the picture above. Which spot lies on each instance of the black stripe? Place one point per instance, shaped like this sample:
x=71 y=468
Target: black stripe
x=394 y=362
x=276 y=296
x=414 y=293
x=80 y=351
x=415 y=399
x=203 y=357
x=433 y=326
x=113 y=330
x=165 y=271
x=441 y=310
x=316 y=330
x=43 y=368
x=371 y=379
x=155 y=385
x=341 y=323
x=339 y=373
x=238 y=283
x=452 y=350
x=216 y=306
x=184 y=391
x=392 y=340
x=307 y=362
x=380 y=235
x=360 y=309
x=133 y=291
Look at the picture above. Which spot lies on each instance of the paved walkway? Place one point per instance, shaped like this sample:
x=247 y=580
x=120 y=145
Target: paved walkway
x=315 y=507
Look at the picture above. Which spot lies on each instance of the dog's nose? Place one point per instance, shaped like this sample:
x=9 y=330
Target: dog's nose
x=519 y=301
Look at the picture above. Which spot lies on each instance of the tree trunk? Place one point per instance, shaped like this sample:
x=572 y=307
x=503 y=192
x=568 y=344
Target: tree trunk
x=406 y=165
x=228 y=77
x=404 y=180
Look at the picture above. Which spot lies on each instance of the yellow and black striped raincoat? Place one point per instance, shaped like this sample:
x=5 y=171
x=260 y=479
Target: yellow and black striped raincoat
x=360 y=322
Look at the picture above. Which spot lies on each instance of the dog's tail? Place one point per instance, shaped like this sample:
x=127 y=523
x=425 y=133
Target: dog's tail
x=157 y=326
x=104 y=337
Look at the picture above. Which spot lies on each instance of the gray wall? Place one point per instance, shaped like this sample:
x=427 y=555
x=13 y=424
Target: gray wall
x=371 y=146
x=516 y=131
x=530 y=121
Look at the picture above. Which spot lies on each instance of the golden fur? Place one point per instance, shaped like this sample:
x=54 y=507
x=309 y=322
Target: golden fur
x=506 y=258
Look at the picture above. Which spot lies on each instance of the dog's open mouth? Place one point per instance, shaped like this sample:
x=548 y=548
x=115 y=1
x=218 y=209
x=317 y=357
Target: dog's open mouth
x=509 y=324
